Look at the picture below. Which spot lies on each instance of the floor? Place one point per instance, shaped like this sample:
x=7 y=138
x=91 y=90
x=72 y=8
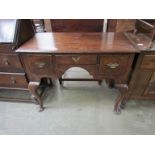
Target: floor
x=78 y=108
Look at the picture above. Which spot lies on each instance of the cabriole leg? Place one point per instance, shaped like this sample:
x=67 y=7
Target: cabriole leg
x=33 y=86
x=122 y=98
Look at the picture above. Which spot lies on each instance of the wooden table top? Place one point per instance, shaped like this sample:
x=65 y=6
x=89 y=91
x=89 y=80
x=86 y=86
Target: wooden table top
x=78 y=43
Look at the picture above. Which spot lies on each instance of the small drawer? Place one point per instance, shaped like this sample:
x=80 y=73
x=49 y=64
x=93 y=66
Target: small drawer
x=37 y=65
x=10 y=63
x=148 y=62
x=114 y=65
x=13 y=80
x=76 y=59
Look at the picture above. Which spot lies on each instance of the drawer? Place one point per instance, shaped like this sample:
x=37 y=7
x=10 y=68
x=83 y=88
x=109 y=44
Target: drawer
x=10 y=63
x=6 y=48
x=37 y=65
x=148 y=62
x=76 y=59
x=13 y=80
x=114 y=65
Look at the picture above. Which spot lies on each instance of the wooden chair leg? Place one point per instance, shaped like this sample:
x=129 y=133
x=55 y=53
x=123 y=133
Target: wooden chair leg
x=33 y=86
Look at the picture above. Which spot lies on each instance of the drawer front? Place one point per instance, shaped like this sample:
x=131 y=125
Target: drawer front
x=150 y=89
x=148 y=62
x=114 y=66
x=6 y=48
x=37 y=65
x=13 y=80
x=10 y=63
x=76 y=59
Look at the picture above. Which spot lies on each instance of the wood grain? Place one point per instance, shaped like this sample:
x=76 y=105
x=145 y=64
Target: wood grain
x=78 y=43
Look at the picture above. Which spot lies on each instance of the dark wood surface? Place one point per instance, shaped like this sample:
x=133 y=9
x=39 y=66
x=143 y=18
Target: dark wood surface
x=150 y=89
x=13 y=80
x=78 y=43
x=10 y=63
x=121 y=25
x=139 y=82
x=37 y=66
x=25 y=31
x=111 y=25
x=148 y=62
x=114 y=65
x=76 y=59
x=77 y=25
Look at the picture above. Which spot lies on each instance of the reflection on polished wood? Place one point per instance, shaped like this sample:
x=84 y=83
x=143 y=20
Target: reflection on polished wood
x=78 y=43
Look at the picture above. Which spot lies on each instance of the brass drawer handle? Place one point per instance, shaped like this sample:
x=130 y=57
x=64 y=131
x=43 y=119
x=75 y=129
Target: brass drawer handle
x=13 y=81
x=40 y=64
x=114 y=65
x=76 y=59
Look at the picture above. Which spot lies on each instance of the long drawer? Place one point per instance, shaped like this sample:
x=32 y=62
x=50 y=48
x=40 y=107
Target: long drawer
x=13 y=80
x=10 y=63
x=76 y=59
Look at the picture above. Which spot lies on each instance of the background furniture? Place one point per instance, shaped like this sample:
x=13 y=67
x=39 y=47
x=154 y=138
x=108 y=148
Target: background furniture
x=13 y=33
x=77 y=25
x=142 y=83
x=120 y=25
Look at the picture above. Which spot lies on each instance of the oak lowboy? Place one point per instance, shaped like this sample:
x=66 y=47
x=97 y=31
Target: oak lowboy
x=106 y=56
x=125 y=60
